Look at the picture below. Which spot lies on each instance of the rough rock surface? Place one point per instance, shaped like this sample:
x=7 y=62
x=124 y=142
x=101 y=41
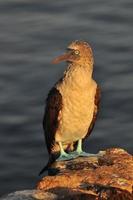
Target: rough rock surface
x=29 y=195
x=107 y=176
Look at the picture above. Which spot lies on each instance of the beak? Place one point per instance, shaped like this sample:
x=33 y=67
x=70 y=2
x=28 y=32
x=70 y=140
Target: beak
x=65 y=57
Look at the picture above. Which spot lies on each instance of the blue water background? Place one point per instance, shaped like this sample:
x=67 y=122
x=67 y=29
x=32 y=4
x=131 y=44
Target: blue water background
x=32 y=33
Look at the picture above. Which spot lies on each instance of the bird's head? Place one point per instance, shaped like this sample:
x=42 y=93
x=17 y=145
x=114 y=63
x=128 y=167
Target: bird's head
x=78 y=52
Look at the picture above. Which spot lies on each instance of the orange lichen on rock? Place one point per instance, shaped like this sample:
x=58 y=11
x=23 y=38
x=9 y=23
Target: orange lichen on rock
x=107 y=176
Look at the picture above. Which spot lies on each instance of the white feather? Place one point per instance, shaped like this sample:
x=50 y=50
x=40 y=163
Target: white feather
x=78 y=91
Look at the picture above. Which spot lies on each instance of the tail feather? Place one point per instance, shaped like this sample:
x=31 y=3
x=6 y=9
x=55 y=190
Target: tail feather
x=55 y=153
x=44 y=169
x=52 y=158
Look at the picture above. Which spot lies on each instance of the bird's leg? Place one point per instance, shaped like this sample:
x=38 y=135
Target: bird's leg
x=79 y=147
x=80 y=152
x=64 y=155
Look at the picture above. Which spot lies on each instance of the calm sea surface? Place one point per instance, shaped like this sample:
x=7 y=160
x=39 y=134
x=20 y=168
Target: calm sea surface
x=32 y=33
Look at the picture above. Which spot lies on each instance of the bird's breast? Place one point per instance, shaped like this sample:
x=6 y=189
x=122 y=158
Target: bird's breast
x=77 y=111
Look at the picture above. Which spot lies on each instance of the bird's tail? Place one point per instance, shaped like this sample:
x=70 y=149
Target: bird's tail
x=54 y=155
x=52 y=158
x=43 y=170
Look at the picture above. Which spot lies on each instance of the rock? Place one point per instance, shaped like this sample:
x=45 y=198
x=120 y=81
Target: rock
x=106 y=176
x=29 y=195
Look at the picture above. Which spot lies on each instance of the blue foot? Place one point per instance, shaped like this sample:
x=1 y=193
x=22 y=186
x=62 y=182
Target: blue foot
x=66 y=156
x=83 y=154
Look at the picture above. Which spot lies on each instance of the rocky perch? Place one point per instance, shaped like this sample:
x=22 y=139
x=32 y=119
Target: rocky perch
x=107 y=176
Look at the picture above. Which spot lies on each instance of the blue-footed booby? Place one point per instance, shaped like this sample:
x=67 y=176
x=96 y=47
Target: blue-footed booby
x=72 y=105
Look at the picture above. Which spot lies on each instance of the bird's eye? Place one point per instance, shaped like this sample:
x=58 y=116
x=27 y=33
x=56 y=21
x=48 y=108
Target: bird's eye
x=76 y=52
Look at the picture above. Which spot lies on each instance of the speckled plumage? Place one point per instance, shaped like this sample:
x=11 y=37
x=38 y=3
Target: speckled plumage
x=72 y=104
x=78 y=93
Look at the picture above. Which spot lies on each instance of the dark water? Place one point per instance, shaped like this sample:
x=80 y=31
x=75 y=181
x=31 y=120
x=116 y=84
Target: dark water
x=31 y=34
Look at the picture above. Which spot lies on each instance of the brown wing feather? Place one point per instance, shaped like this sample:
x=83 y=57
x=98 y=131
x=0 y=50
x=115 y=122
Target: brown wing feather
x=50 y=123
x=50 y=120
x=97 y=102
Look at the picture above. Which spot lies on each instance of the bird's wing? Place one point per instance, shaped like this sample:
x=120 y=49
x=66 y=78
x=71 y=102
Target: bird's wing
x=50 y=120
x=96 y=109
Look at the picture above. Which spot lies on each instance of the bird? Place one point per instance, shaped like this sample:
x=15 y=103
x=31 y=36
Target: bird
x=72 y=105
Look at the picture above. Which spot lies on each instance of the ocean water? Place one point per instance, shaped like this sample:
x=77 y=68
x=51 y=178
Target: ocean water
x=32 y=33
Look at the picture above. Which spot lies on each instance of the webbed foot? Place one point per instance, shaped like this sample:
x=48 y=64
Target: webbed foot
x=83 y=154
x=65 y=156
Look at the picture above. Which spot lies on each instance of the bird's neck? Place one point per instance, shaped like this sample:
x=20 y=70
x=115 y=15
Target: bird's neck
x=78 y=75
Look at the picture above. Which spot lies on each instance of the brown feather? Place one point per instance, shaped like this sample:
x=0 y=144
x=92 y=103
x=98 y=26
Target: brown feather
x=97 y=102
x=50 y=124
x=50 y=120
